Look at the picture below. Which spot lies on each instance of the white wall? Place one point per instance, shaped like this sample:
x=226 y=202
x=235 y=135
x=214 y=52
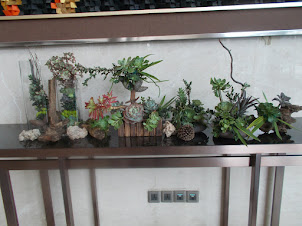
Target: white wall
x=270 y=65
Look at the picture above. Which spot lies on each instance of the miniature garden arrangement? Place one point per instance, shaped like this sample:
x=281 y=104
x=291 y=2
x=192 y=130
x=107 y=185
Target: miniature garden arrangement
x=143 y=116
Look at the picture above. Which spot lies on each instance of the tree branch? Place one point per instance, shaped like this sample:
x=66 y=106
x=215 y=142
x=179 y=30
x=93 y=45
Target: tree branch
x=231 y=73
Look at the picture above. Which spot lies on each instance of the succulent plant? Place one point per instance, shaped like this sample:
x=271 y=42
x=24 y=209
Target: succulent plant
x=149 y=105
x=152 y=122
x=134 y=113
x=283 y=100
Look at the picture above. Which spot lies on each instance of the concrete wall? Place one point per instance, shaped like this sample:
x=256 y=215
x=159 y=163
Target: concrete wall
x=272 y=65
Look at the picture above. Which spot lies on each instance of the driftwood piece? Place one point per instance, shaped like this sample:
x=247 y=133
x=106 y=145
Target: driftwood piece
x=286 y=113
x=54 y=132
x=52 y=109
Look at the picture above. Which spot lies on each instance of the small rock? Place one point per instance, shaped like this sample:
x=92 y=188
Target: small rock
x=29 y=135
x=169 y=129
x=75 y=132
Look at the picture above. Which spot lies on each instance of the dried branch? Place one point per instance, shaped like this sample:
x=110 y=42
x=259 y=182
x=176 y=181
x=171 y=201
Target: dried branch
x=231 y=73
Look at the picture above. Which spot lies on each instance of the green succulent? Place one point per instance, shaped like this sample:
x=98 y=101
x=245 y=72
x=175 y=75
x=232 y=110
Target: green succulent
x=187 y=113
x=152 y=122
x=116 y=120
x=149 y=105
x=219 y=86
x=102 y=123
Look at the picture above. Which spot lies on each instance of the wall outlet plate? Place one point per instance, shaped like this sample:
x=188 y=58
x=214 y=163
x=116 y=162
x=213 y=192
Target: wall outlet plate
x=153 y=196
x=167 y=196
x=179 y=196
x=192 y=196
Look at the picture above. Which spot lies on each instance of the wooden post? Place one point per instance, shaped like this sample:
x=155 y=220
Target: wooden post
x=132 y=97
x=52 y=109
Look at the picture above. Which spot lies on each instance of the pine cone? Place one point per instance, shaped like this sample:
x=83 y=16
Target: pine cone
x=186 y=133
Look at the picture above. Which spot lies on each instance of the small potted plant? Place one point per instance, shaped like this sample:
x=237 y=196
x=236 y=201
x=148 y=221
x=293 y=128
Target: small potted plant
x=154 y=113
x=270 y=116
x=188 y=114
x=99 y=123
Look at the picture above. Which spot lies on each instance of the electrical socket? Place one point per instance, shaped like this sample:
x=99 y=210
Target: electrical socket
x=167 y=196
x=153 y=196
x=192 y=196
x=179 y=196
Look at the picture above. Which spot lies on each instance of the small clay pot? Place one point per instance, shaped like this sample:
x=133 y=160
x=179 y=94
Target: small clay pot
x=97 y=133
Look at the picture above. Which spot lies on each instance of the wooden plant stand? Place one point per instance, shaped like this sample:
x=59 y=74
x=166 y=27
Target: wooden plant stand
x=137 y=129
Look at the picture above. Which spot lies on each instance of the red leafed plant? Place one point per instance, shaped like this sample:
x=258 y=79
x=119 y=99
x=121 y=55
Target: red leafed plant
x=104 y=104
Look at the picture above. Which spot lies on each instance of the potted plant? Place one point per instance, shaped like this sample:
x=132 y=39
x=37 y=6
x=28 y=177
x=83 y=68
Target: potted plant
x=230 y=119
x=269 y=116
x=188 y=113
x=99 y=123
x=154 y=113
x=131 y=73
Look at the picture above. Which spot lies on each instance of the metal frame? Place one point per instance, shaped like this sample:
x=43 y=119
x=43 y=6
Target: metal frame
x=254 y=156
x=241 y=34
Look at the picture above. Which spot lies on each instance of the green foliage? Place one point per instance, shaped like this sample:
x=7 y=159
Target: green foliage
x=269 y=112
x=38 y=96
x=152 y=121
x=101 y=123
x=64 y=69
x=219 y=86
x=68 y=100
x=72 y=116
x=225 y=122
x=116 y=120
x=229 y=116
x=187 y=113
x=149 y=105
x=127 y=71
x=164 y=109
